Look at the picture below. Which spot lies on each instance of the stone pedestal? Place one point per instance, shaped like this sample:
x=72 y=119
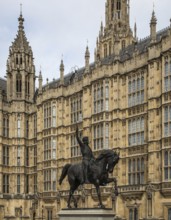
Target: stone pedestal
x=86 y=214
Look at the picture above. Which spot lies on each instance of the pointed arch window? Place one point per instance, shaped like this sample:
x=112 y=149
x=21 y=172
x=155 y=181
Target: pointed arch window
x=130 y=214
x=17 y=59
x=110 y=48
x=54 y=115
x=133 y=214
x=118 y=8
x=118 y=5
x=27 y=86
x=112 y=9
x=105 y=50
x=136 y=171
x=18 y=83
x=21 y=60
x=166 y=68
x=136 y=91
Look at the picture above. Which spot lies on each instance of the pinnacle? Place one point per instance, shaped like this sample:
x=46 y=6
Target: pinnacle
x=20 y=42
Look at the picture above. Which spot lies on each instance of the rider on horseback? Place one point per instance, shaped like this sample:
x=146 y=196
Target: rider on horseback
x=87 y=155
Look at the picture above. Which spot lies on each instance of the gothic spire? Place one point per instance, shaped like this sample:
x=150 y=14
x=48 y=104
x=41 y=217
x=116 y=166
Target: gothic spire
x=20 y=42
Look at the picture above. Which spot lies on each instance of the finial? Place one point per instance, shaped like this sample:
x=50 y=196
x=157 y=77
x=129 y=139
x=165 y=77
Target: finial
x=135 y=30
x=40 y=72
x=21 y=19
x=153 y=6
x=21 y=9
x=62 y=64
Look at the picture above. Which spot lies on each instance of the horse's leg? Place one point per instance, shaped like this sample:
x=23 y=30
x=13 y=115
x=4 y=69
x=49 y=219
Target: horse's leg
x=75 y=201
x=69 y=198
x=109 y=180
x=99 y=196
x=116 y=186
x=72 y=190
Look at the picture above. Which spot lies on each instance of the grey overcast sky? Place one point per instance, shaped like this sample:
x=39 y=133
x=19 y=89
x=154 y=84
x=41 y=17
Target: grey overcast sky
x=55 y=27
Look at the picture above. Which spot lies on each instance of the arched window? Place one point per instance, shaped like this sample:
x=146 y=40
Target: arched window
x=142 y=83
x=138 y=84
x=118 y=5
x=131 y=214
x=105 y=50
x=138 y=164
x=21 y=60
x=18 y=83
x=54 y=115
x=110 y=48
x=129 y=87
x=112 y=9
x=17 y=59
x=118 y=8
x=166 y=68
x=135 y=214
x=130 y=165
x=166 y=158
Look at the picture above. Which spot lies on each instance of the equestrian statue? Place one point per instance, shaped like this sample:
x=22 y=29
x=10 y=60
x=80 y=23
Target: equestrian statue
x=90 y=171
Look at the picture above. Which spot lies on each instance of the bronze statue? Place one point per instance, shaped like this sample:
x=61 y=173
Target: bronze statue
x=87 y=155
x=97 y=171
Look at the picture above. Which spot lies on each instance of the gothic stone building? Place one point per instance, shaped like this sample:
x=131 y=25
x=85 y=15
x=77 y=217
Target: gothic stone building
x=121 y=101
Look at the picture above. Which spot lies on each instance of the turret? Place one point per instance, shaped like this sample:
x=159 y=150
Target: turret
x=20 y=67
x=40 y=82
x=153 y=24
x=62 y=72
x=87 y=60
x=117 y=29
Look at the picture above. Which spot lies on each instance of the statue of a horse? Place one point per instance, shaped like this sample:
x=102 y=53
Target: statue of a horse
x=98 y=174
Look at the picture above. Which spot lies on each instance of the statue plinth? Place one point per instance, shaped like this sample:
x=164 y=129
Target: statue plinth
x=86 y=214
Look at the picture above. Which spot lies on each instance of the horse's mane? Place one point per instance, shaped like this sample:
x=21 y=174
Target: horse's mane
x=105 y=154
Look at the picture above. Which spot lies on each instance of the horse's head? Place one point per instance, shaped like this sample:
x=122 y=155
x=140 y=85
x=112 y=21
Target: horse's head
x=112 y=160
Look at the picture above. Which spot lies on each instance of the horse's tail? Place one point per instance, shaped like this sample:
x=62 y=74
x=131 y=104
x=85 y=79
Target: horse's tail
x=64 y=173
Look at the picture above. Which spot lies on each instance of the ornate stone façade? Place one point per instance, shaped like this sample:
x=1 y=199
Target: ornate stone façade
x=121 y=101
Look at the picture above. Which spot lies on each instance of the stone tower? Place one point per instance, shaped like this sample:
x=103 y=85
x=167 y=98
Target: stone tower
x=116 y=34
x=20 y=68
